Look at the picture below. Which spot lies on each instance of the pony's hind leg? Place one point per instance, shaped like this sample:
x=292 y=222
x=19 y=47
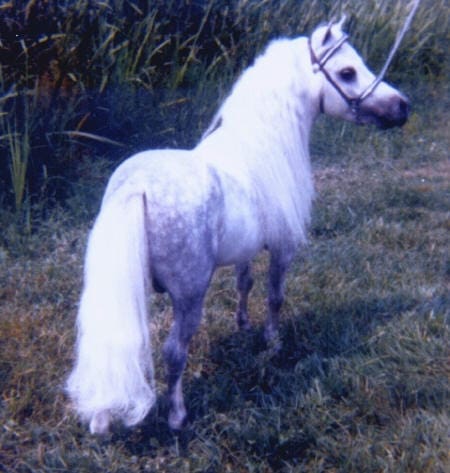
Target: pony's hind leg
x=279 y=263
x=187 y=316
x=244 y=286
x=100 y=423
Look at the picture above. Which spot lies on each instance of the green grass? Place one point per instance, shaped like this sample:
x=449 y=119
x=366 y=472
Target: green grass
x=362 y=381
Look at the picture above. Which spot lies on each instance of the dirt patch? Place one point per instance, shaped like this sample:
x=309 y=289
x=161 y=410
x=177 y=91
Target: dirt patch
x=438 y=170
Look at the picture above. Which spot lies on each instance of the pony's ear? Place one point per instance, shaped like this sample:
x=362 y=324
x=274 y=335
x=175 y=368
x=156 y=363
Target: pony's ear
x=327 y=36
x=341 y=22
x=332 y=27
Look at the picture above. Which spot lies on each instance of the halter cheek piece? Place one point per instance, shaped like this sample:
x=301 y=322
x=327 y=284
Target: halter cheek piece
x=319 y=65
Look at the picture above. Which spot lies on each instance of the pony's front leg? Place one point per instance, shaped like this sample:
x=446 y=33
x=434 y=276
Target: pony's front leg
x=244 y=286
x=279 y=264
x=187 y=315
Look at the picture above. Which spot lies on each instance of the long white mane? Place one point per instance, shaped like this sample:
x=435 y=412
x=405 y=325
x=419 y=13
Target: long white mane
x=261 y=134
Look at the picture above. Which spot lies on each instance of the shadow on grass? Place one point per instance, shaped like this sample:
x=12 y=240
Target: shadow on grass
x=241 y=372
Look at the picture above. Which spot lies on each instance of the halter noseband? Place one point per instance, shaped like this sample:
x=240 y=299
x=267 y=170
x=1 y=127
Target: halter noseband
x=319 y=65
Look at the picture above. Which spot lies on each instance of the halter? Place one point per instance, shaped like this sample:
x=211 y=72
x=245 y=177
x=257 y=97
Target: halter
x=355 y=102
x=319 y=65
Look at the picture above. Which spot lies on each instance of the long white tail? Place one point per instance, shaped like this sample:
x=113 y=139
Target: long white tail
x=113 y=375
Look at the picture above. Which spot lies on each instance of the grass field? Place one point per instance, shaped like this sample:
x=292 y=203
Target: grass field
x=362 y=383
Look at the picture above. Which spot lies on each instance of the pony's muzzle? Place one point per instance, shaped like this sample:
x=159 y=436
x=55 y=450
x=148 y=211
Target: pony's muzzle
x=389 y=113
x=403 y=108
x=397 y=114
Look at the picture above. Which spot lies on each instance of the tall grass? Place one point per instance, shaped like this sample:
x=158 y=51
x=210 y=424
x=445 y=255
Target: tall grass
x=15 y=134
x=150 y=74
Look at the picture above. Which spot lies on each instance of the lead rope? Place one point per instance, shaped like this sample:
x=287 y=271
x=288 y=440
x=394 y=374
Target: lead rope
x=398 y=40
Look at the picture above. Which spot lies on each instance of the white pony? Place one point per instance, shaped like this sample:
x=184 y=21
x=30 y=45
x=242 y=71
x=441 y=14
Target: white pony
x=169 y=218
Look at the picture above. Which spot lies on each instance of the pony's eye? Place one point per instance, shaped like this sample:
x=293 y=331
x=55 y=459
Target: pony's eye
x=348 y=74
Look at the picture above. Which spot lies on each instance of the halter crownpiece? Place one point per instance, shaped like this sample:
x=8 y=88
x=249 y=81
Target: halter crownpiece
x=319 y=63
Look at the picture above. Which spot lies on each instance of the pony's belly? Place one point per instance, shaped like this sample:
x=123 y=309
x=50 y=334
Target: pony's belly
x=235 y=254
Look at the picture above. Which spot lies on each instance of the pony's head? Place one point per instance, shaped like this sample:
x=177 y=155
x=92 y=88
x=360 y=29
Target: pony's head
x=347 y=85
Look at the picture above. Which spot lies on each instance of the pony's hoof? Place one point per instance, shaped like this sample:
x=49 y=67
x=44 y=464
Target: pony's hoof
x=273 y=341
x=275 y=346
x=176 y=419
x=242 y=322
x=100 y=422
x=244 y=326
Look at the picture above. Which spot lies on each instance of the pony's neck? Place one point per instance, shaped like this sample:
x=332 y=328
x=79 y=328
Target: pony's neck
x=277 y=96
